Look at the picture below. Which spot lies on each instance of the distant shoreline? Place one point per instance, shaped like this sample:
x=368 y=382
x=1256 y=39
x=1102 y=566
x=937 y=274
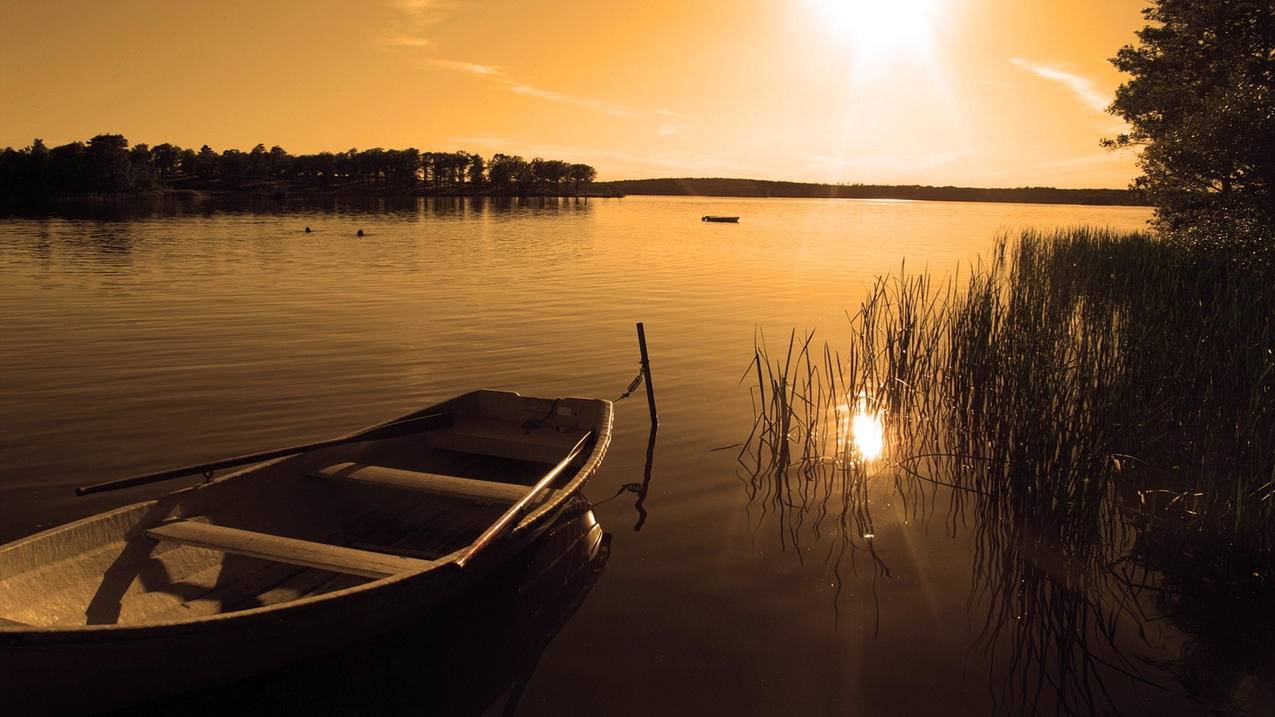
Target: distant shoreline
x=691 y=187
x=760 y=188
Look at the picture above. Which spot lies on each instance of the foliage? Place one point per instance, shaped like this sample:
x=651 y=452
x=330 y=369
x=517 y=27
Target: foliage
x=1201 y=103
x=106 y=165
x=1103 y=408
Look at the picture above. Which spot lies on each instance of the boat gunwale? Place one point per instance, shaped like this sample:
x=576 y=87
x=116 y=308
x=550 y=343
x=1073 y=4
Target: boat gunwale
x=27 y=634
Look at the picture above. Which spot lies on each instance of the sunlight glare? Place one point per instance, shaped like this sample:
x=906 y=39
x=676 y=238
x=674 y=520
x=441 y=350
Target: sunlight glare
x=859 y=429
x=876 y=28
x=869 y=434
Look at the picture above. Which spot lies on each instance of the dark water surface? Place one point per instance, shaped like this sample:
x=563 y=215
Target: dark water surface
x=180 y=335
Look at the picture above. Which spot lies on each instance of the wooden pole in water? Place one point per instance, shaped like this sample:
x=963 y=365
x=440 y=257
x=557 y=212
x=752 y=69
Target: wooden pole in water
x=646 y=375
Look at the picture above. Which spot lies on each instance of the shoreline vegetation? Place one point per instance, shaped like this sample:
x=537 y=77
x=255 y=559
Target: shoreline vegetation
x=107 y=167
x=1100 y=405
x=729 y=187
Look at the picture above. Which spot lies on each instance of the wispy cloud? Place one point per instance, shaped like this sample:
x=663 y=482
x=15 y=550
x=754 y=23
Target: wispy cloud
x=499 y=78
x=472 y=68
x=1082 y=87
x=407 y=41
x=410 y=30
x=413 y=20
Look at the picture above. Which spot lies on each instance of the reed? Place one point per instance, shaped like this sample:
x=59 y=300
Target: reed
x=1101 y=408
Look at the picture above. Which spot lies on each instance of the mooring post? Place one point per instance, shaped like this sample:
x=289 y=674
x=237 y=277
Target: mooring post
x=646 y=374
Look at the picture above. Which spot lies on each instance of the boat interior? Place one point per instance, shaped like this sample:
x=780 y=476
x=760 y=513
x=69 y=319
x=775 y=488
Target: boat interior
x=310 y=524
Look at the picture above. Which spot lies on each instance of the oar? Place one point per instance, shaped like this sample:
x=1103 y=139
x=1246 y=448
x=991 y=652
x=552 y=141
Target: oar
x=506 y=519
x=389 y=430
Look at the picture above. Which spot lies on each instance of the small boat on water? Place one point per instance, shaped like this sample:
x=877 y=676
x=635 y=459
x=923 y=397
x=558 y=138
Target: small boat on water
x=715 y=218
x=289 y=558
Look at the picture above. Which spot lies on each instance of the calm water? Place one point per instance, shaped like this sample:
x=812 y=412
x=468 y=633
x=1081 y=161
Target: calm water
x=186 y=334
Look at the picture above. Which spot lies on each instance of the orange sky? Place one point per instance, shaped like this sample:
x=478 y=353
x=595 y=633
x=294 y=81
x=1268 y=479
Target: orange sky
x=968 y=92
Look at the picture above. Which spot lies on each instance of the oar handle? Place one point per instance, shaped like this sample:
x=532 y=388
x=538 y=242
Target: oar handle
x=389 y=430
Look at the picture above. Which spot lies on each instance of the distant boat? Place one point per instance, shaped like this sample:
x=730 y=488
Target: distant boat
x=712 y=218
x=327 y=544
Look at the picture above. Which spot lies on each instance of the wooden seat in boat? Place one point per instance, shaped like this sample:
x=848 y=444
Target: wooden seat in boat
x=333 y=558
x=432 y=483
x=505 y=439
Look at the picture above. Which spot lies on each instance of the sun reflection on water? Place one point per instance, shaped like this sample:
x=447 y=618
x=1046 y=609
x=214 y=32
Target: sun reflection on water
x=868 y=433
x=860 y=430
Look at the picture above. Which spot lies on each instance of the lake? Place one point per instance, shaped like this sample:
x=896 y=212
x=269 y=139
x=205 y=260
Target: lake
x=167 y=335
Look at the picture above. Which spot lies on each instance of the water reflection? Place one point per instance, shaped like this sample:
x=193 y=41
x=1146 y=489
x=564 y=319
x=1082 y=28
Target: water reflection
x=1049 y=617
x=239 y=332
x=865 y=431
x=1015 y=405
x=645 y=485
x=399 y=207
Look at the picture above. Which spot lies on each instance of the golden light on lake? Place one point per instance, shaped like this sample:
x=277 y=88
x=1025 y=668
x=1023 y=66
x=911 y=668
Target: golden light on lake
x=868 y=433
x=860 y=430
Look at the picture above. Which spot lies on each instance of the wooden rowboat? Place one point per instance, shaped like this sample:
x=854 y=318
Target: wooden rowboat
x=289 y=558
x=473 y=654
x=713 y=218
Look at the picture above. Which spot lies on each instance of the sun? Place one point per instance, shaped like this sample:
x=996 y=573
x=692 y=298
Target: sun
x=878 y=29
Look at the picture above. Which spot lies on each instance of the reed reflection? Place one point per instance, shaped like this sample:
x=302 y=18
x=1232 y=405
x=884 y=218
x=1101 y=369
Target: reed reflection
x=1052 y=403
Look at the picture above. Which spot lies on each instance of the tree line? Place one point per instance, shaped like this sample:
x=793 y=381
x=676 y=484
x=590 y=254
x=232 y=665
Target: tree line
x=724 y=187
x=108 y=165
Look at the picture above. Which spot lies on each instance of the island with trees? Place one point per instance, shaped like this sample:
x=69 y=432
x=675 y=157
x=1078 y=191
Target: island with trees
x=107 y=166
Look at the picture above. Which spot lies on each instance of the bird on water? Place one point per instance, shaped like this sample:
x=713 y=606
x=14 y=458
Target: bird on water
x=360 y=233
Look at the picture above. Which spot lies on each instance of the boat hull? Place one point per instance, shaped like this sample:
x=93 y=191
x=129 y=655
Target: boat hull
x=95 y=667
x=98 y=669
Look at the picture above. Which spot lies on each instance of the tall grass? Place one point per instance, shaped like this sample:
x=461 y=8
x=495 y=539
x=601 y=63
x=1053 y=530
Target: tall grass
x=1100 y=407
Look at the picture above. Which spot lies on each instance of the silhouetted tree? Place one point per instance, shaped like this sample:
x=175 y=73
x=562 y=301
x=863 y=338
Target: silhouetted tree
x=107 y=165
x=141 y=168
x=1201 y=104
x=166 y=159
x=581 y=175
x=503 y=172
x=548 y=174
x=68 y=168
x=188 y=160
x=476 y=172
x=207 y=164
x=279 y=163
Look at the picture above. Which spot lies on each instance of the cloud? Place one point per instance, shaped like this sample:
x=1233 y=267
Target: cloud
x=407 y=41
x=422 y=11
x=413 y=19
x=410 y=31
x=673 y=128
x=1082 y=87
x=499 y=78
x=469 y=67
